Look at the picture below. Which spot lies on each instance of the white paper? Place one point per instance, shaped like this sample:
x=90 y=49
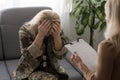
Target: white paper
x=85 y=51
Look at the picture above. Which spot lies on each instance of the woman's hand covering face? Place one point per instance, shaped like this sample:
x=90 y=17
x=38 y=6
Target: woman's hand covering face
x=47 y=27
x=56 y=29
x=44 y=27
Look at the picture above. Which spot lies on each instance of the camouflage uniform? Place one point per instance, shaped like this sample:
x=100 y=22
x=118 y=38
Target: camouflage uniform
x=29 y=66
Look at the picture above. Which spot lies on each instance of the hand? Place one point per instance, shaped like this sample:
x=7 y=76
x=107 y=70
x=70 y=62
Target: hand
x=55 y=32
x=76 y=60
x=56 y=29
x=44 y=28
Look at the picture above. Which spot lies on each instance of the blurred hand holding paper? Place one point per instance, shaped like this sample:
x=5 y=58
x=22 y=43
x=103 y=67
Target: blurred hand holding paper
x=85 y=51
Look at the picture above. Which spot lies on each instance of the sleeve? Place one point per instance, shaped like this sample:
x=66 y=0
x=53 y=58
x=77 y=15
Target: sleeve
x=26 y=43
x=28 y=62
x=106 y=56
x=61 y=53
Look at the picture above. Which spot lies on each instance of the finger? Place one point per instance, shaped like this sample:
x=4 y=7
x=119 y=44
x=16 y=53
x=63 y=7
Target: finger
x=44 y=29
x=75 y=52
x=56 y=28
x=76 y=55
x=42 y=24
x=52 y=31
x=45 y=24
x=48 y=28
x=74 y=62
x=44 y=21
x=71 y=58
x=57 y=23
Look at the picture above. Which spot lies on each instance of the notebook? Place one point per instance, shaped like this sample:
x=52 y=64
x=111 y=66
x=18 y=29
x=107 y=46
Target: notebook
x=85 y=51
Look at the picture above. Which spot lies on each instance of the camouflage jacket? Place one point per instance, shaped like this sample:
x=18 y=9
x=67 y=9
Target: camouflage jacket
x=30 y=52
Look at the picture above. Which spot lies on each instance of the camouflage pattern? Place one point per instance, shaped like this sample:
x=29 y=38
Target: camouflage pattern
x=27 y=64
x=42 y=76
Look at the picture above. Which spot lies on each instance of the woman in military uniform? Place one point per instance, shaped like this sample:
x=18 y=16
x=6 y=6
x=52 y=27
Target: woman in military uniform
x=42 y=44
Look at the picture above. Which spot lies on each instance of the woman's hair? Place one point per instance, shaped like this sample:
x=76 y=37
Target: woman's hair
x=44 y=14
x=113 y=12
x=113 y=26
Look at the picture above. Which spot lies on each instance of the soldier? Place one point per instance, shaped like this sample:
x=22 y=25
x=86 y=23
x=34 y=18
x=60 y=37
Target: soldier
x=42 y=44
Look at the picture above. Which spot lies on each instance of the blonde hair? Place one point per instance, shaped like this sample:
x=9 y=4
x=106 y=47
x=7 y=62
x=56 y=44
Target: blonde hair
x=44 y=14
x=113 y=27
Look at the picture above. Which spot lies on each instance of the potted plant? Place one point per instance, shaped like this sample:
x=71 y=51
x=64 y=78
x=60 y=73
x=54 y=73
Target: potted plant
x=89 y=13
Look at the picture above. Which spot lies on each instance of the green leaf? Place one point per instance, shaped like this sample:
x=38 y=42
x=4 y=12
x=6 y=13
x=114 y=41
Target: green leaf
x=103 y=25
x=103 y=3
x=77 y=5
x=98 y=0
x=96 y=25
x=78 y=12
x=80 y=31
x=85 y=18
x=77 y=9
x=95 y=1
x=100 y=13
x=77 y=26
x=76 y=1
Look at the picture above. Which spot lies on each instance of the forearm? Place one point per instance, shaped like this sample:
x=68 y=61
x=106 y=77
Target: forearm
x=36 y=47
x=58 y=43
x=88 y=75
x=59 y=49
x=38 y=40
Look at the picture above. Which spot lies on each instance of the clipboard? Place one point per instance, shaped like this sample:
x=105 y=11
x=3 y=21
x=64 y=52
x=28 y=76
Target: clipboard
x=85 y=51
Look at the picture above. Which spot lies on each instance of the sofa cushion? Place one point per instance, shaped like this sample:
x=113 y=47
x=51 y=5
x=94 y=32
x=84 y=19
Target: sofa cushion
x=11 y=65
x=3 y=72
x=10 y=21
x=10 y=41
x=73 y=74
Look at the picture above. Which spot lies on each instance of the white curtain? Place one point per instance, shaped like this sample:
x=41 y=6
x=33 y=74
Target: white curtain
x=68 y=21
x=57 y=5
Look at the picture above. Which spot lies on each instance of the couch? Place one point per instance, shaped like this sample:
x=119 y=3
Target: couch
x=10 y=21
